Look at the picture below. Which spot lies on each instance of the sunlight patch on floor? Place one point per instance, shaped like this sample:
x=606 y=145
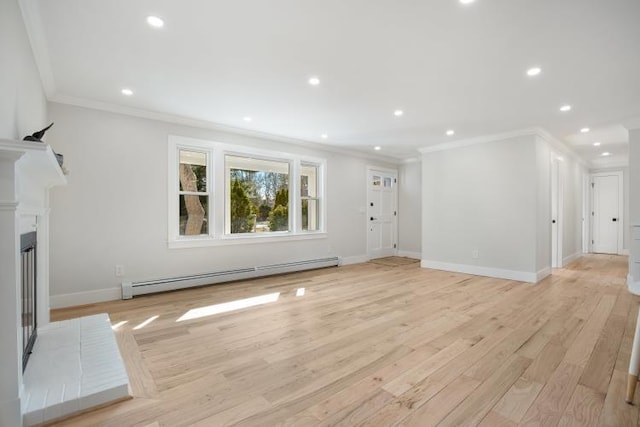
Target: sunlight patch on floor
x=146 y=322
x=117 y=325
x=210 y=310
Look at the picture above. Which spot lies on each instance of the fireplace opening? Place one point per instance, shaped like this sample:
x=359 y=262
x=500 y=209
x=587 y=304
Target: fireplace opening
x=28 y=294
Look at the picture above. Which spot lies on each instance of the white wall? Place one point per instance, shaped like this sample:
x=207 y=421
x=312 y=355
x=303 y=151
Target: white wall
x=495 y=197
x=481 y=197
x=410 y=209
x=23 y=107
x=114 y=208
x=634 y=176
x=22 y=111
x=572 y=183
x=543 y=208
x=633 y=279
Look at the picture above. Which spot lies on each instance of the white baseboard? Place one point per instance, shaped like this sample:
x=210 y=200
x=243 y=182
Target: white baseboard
x=409 y=254
x=543 y=273
x=625 y=252
x=87 y=297
x=571 y=258
x=633 y=286
x=356 y=259
x=521 y=276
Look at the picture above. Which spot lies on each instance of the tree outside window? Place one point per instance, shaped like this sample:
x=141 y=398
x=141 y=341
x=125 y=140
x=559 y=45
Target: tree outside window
x=258 y=195
x=193 y=193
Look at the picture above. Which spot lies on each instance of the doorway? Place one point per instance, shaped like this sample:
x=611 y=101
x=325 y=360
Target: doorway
x=382 y=212
x=606 y=212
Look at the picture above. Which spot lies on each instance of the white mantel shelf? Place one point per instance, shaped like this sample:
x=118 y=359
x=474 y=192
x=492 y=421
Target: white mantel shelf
x=37 y=158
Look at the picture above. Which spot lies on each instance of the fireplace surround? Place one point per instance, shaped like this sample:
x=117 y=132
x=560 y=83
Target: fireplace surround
x=28 y=170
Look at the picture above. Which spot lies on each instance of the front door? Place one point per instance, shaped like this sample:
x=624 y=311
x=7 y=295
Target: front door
x=606 y=223
x=382 y=213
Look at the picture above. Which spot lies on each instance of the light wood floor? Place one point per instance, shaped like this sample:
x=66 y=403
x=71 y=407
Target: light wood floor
x=381 y=345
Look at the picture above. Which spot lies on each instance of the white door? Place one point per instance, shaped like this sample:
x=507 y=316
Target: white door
x=382 y=213
x=556 y=214
x=606 y=222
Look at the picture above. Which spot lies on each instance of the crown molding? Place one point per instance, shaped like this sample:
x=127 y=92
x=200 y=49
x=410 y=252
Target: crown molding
x=460 y=143
x=204 y=124
x=561 y=147
x=557 y=144
x=34 y=29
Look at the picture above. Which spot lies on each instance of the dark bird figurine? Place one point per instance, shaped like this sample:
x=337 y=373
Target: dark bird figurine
x=37 y=136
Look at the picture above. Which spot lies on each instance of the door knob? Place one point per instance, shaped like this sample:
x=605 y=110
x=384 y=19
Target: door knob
x=553 y=221
x=614 y=219
x=371 y=218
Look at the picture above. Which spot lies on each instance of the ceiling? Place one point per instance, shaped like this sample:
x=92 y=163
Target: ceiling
x=446 y=65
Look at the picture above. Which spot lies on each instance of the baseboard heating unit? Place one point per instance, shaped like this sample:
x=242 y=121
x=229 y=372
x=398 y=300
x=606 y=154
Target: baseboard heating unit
x=131 y=289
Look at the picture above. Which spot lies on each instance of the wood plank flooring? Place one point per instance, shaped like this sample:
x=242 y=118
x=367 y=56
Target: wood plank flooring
x=379 y=344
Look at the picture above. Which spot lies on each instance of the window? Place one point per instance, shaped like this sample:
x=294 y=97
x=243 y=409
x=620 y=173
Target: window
x=226 y=194
x=258 y=195
x=310 y=201
x=193 y=195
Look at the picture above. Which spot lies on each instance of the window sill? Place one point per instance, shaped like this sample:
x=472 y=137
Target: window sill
x=200 y=242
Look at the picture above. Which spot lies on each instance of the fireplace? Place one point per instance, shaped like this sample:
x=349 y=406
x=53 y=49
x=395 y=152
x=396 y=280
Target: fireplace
x=28 y=279
x=28 y=170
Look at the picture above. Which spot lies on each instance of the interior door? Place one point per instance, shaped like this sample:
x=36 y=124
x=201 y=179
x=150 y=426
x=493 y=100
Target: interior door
x=382 y=213
x=556 y=213
x=605 y=213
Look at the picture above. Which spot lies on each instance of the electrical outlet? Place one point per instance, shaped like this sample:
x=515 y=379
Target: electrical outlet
x=475 y=254
x=119 y=270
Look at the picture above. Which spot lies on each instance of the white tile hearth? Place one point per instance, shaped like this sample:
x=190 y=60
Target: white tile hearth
x=75 y=365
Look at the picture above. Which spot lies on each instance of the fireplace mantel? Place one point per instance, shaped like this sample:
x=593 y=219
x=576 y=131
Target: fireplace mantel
x=27 y=171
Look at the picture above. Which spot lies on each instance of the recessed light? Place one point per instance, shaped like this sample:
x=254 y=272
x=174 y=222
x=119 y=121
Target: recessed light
x=155 y=22
x=398 y=113
x=324 y=136
x=377 y=148
x=596 y=144
x=314 y=81
x=565 y=108
x=450 y=132
x=531 y=72
x=247 y=119
x=585 y=130
x=467 y=1
x=127 y=92
x=606 y=153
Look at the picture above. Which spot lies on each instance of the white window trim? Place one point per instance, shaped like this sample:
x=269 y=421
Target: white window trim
x=217 y=189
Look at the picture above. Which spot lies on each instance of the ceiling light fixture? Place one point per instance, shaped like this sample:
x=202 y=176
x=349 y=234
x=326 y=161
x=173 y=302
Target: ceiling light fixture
x=377 y=148
x=467 y=1
x=314 y=81
x=324 y=136
x=247 y=119
x=155 y=22
x=127 y=92
x=398 y=113
x=531 y=72
x=606 y=153
x=565 y=108
x=585 y=130
x=450 y=132
x=596 y=144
